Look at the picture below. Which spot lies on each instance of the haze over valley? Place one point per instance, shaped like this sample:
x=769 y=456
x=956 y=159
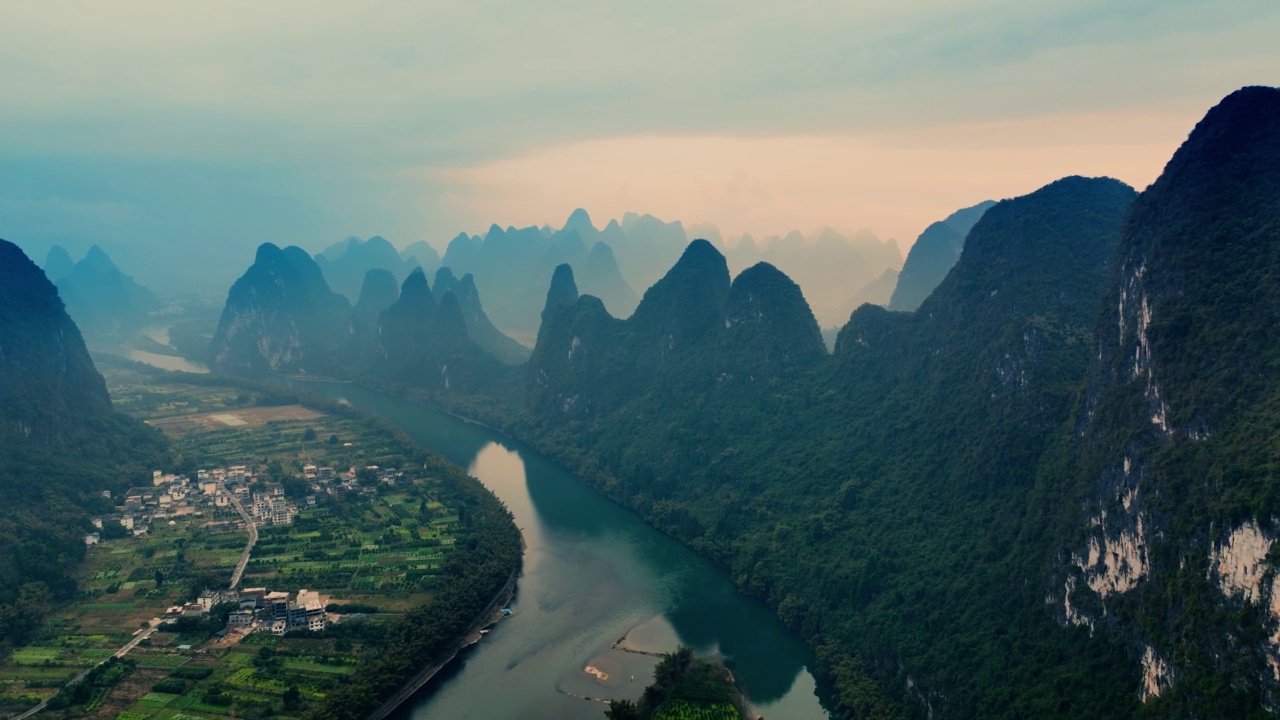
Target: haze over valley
x=647 y=363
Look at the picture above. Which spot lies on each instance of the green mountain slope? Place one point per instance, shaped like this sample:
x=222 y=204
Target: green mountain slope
x=873 y=496
x=61 y=445
x=1161 y=503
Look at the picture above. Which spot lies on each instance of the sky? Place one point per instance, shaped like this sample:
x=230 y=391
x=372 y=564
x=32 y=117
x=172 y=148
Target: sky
x=190 y=133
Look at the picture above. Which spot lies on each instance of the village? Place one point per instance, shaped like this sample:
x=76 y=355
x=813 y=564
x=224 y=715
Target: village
x=237 y=488
x=258 y=502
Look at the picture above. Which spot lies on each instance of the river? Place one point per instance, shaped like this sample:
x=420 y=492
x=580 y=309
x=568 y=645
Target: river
x=593 y=573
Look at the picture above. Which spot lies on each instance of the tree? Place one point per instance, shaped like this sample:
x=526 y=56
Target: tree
x=292 y=698
x=622 y=710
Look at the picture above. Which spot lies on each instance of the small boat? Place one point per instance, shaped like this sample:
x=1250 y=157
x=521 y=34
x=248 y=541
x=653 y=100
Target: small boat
x=484 y=631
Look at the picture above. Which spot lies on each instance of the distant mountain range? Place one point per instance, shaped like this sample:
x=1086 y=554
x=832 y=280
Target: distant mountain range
x=511 y=268
x=345 y=264
x=100 y=297
x=281 y=316
x=933 y=255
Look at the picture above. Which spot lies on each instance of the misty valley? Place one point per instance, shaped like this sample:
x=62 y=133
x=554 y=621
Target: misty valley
x=644 y=468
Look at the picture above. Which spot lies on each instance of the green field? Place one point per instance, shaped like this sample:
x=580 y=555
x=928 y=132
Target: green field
x=382 y=549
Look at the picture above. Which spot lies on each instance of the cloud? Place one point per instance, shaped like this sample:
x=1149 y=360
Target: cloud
x=896 y=182
x=299 y=118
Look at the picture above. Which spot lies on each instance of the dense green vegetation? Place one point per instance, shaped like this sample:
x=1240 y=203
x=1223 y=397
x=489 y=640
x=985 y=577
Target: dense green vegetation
x=61 y=446
x=684 y=688
x=922 y=506
x=939 y=506
x=1176 y=433
x=875 y=497
x=423 y=557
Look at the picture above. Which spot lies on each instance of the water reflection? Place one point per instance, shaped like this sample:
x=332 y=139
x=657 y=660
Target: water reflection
x=593 y=572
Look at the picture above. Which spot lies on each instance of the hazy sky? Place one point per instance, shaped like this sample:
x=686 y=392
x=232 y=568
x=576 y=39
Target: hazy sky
x=148 y=124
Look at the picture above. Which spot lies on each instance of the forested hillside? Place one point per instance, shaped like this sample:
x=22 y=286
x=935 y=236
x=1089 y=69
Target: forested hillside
x=873 y=496
x=61 y=446
x=1048 y=492
x=1163 y=492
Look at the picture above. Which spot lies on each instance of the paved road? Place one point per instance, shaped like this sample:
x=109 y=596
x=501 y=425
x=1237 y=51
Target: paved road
x=253 y=538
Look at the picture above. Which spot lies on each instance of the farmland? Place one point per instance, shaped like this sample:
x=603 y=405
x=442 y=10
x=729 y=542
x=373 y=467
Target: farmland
x=376 y=547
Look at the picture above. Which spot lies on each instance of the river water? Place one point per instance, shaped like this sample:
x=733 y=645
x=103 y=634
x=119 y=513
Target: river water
x=593 y=573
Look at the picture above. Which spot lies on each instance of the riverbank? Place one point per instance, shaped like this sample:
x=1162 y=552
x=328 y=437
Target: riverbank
x=487 y=619
x=595 y=571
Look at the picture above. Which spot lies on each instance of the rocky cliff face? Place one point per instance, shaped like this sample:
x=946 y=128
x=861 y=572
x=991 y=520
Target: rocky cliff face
x=61 y=445
x=1173 y=439
x=281 y=315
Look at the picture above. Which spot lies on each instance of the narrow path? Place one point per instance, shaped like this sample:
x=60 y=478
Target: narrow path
x=142 y=635
x=253 y=537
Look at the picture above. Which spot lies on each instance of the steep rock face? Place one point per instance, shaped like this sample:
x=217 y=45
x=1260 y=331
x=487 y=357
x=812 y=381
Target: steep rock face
x=47 y=380
x=280 y=315
x=563 y=290
x=686 y=307
x=101 y=298
x=1173 y=442
x=61 y=445
x=575 y=369
x=933 y=255
x=407 y=326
